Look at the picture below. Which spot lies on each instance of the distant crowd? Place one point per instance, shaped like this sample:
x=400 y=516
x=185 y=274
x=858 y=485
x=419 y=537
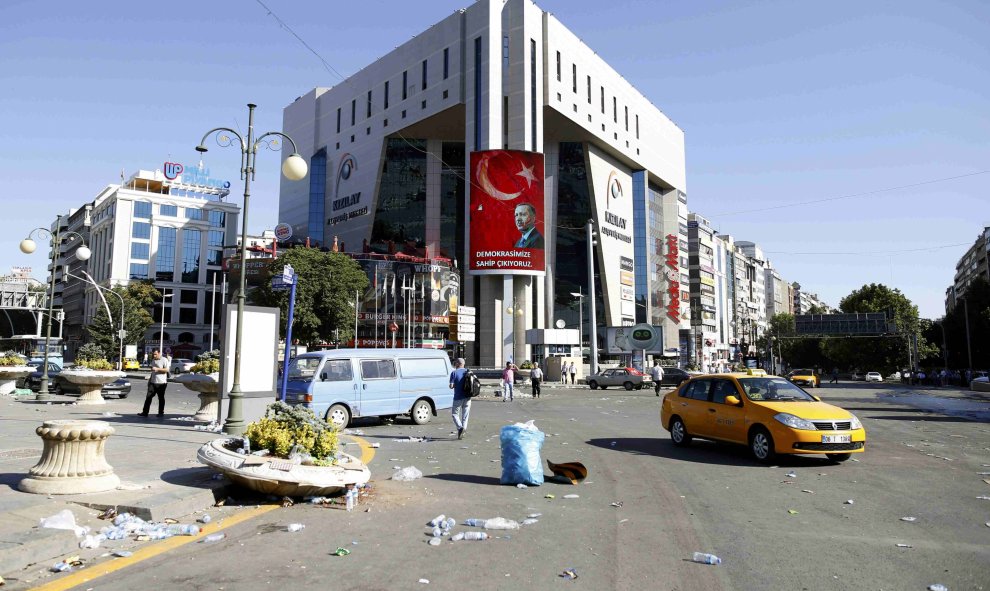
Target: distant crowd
x=939 y=377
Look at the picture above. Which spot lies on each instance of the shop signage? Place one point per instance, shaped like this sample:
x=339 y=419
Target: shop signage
x=673 y=285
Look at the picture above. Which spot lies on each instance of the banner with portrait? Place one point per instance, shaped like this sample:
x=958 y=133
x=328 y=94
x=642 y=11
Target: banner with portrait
x=507 y=213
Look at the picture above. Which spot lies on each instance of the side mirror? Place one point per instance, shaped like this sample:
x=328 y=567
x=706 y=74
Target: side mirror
x=732 y=400
x=817 y=399
x=323 y=376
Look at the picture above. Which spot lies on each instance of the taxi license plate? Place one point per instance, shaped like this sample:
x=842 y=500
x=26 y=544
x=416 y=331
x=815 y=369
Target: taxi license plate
x=836 y=438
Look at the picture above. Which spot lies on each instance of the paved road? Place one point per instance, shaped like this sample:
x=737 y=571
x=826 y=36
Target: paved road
x=771 y=532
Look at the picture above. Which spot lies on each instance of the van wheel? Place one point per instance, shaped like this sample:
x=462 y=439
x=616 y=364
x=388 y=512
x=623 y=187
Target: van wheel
x=421 y=412
x=628 y=385
x=593 y=385
x=338 y=416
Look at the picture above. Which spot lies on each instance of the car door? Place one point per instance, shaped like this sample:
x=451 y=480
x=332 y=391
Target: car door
x=692 y=406
x=726 y=421
x=335 y=383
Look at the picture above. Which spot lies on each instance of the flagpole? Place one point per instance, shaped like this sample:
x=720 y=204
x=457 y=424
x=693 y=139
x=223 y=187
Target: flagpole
x=385 y=292
x=355 y=317
x=376 y=305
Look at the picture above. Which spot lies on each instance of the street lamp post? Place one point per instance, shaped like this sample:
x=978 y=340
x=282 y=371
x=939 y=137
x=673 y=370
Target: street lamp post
x=593 y=320
x=161 y=334
x=580 y=297
x=82 y=253
x=294 y=168
x=120 y=333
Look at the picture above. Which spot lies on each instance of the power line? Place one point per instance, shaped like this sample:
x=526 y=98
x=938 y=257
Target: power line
x=853 y=195
x=867 y=252
x=282 y=24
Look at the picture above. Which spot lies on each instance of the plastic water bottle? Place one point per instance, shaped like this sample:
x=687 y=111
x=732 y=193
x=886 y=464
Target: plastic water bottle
x=437 y=532
x=349 y=499
x=475 y=535
x=448 y=524
x=705 y=558
x=437 y=520
x=182 y=529
x=475 y=522
x=214 y=537
x=294 y=527
x=205 y=518
x=61 y=567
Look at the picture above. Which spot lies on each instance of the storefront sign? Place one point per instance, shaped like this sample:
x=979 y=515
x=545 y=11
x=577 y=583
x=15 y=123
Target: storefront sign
x=673 y=285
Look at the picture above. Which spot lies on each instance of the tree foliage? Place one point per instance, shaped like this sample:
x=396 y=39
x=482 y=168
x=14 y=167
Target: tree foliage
x=883 y=354
x=138 y=300
x=324 y=294
x=975 y=305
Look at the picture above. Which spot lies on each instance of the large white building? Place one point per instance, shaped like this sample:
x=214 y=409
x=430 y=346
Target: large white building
x=391 y=151
x=169 y=228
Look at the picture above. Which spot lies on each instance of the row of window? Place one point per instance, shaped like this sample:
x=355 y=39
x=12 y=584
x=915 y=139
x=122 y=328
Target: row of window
x=615 y=101
x=216 y=218
x=164 y=263
x=386 y=95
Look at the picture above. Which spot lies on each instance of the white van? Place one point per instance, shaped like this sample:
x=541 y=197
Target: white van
x=342 y=383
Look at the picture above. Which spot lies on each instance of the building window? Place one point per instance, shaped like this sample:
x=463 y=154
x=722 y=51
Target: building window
x=217 y=218
x=589 y=90
x=505 y=52
x=194 y=213
x=165 y=255
x=637 y=126
x=317 y=195
x=424 y=74
x=627 y=117
x=603 y=100
x=214 y=257
x=405 y=84
x=477 y=93
x=532 y=93
x=574 y=78
x=353 y=111
x=446 y=62
x=214 y=238
x=191 y=241
x=140 y=250
x=338 y=119
x=367 y=111
x=615 y=110
x=141 y=230
x=385 y=101
x=558 y=66
x=139 y=270
x=142 y=209
x=188 y=296
x=169 y=210
x=187 y=315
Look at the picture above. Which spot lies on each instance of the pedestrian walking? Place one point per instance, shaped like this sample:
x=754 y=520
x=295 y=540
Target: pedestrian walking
x=461 y=409
x=573 y=371
x=535 y=377
x=508 y=378
x=835 y=376
x=656 y=372
x=156 y=384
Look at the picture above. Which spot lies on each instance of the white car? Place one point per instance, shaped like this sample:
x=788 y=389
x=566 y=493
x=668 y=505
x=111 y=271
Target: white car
x=874 y=376
x=181 y=366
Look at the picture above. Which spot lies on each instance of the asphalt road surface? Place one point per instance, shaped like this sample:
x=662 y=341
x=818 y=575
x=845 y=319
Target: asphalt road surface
x=645 y=507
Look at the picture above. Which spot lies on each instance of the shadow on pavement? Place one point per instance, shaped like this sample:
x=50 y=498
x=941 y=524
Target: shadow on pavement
x=925 y=416
x=702 y=452
x=10 y=479
x=467 y=478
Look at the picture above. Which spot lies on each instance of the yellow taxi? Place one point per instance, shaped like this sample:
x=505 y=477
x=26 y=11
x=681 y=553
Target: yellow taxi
x=768 y=413
x=131 y=364
x=805 y=377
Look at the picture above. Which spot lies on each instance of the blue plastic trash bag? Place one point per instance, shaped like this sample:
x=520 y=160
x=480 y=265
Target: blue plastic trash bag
x=521 y=463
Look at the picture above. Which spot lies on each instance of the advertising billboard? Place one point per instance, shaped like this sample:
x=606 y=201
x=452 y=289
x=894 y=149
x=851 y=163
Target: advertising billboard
x=507 y=213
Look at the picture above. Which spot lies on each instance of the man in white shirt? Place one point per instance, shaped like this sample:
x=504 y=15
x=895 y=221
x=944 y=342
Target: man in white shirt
x=656 y=372
x=536 y=377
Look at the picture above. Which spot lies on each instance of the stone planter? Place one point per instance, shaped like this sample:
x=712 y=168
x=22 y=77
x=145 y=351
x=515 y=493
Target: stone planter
x=9 y=374
x=72 y=461
x=90 y=383
x=276 y=476
x=208 y=386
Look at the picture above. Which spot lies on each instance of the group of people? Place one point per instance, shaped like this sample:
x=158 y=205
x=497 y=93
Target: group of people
x=938 y=377
x=566 y=369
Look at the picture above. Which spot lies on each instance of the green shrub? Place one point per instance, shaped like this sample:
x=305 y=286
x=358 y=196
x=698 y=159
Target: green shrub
x=96 y=364
x=206 y=365
x=526 y=364
x=9 y=359
x=284 y=427
x=90 y=351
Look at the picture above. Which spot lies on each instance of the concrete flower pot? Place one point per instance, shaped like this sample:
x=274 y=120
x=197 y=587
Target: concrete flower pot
x=9 y=374
x=90 y=383
x=276 y=476
x=73 y=460
x=208 y=386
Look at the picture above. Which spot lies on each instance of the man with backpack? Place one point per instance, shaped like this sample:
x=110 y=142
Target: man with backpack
x=460 y=383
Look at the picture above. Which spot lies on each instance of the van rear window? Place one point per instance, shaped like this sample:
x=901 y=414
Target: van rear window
x=423 y=368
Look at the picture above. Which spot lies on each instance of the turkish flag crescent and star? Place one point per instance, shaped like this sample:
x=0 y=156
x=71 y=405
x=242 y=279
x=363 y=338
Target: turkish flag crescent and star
x=507 y=213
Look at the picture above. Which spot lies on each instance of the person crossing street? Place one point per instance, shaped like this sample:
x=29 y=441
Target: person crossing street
x=656 y=372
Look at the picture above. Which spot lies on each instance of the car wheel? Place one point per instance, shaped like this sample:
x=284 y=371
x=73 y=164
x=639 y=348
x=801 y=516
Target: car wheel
x=421 y=412
x=122 y=395
x=761 y=444
x=338 y=416
x=628 y=385
x=58 y=390
x=838 y=457
x=593 y=385
x=678 y=432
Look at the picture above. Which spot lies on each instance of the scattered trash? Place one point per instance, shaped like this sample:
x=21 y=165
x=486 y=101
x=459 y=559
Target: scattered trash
x=437 y=520
x=983 y=498
x=937 y=587
x=122 y=553
x=572 y=496
x=792 y=511
x=549 y=496
x=500 y=523
x=521 y=485
x=407 y=474
x=905 y=546
x=294 y=527
x=909 y=518
x=569 y=573
x=534 y=515
x=705 y=558
x=60 y=567
x=810 y=492
x=435 y=541
x=341 y=552
x=376 y=445
x=213 y=427
x=425 y=581
x=64 y=519
x=791 y=475
x=214 y=537
x=205 y=518
x=287 y=502
x=109 y=414
x=90 y=542
x=569 y=472
x=109 y=513
x=520 y=444
x=616 y=504
x=529 y=521
x=849 y=502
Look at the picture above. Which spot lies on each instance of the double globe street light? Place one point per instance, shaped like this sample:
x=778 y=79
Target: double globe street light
x=82 y=253
x=294 y=168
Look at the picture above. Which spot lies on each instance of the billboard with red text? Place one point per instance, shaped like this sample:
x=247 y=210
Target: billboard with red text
x=507 y=213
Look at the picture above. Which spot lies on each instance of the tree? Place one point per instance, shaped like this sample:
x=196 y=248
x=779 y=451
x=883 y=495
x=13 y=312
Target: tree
x=138 y=299
x=324 y=294
x=881 y=353
x=977 y=307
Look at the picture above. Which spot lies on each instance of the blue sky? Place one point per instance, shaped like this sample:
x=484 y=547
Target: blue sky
x=782 y=103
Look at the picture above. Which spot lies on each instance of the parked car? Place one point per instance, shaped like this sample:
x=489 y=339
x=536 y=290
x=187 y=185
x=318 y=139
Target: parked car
x=805 y=377
x=627 y=377
x=130 y=364
x=857 y=377
x=873 y=376
x=119 y=388
x=33 y=379
x=180 y=365
x=768 y=413
x=673 y=376
x=980 y=384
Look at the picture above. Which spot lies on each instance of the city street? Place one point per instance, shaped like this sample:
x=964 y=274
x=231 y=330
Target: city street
x=645 y=507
